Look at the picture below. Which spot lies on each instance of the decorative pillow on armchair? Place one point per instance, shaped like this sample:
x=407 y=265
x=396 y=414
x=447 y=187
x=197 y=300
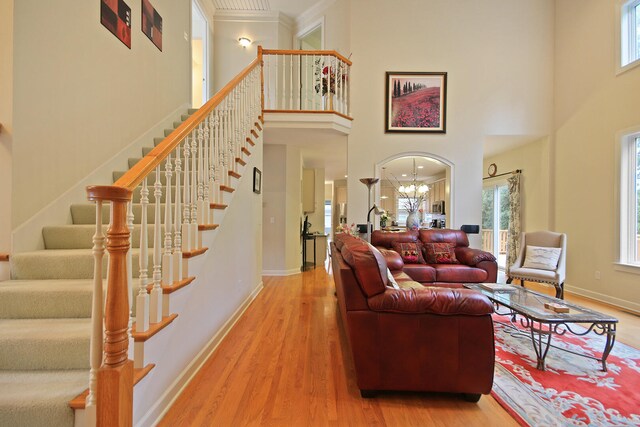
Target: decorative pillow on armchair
x=440 y=253
x=542 y=258
x=411 y=253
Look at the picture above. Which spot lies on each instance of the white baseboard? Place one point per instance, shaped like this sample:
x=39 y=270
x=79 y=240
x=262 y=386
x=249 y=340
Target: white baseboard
x=624 y=304
x=28 y=235
x=280 y=272
x=157 y=411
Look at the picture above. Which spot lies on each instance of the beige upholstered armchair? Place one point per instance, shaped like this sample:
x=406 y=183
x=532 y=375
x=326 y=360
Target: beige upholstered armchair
x=542 y=258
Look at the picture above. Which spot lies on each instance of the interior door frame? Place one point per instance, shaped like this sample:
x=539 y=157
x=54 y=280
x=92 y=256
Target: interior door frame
x=312 y=26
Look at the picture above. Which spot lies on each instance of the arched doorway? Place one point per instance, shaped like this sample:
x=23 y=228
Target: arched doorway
x=417 y=183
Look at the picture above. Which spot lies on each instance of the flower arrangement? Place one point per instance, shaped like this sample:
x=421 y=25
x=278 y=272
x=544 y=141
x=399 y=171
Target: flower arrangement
x=326 y=76
x=344 y=228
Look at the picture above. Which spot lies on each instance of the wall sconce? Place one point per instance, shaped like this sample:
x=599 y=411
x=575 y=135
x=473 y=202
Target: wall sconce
x=244 y=42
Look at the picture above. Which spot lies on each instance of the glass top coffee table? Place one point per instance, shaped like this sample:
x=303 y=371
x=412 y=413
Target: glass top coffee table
x=543 y=322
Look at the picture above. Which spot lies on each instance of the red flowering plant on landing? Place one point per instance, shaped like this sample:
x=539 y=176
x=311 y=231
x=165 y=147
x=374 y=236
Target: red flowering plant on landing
x=326 y=76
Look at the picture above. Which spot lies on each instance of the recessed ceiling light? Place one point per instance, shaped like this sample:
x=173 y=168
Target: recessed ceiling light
x=404 y=174
x=346 y=176
x=420 y=167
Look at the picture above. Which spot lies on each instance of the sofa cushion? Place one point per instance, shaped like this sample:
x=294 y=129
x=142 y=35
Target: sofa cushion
x=393 y=259
x=386 y=239
x=440 y=253
x=459 y=273
x=420 y=272
x=436 y=235
x=368 y=264
x=470 y=256
x=432 y=300
x=411 y=253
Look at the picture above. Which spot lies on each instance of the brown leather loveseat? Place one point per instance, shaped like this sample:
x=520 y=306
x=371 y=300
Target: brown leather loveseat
x=427 y=339
x=465 y=265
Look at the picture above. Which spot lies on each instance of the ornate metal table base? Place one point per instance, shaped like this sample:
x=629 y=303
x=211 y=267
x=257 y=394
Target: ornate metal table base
x=541 y=333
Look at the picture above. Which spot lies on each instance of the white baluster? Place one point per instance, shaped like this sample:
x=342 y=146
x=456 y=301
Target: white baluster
x=95 y=351
x=298 y=77
x=284 y=90
x=155 y=305
x=306 y=82
x=291 y=82
x=193 y=228
x=167 y=256
x=208 y=138
x=142 y=299
x=200 y=208
x=267 y=78
x=187 y=243
x=177 y=229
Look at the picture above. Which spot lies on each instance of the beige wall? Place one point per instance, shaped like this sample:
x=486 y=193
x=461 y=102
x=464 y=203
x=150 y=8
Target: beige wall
x=337 y=16
x=81 y=95
x=229 y=57
x=499 y=58
x=282 y=209
x=592 y=105
x=533 y=159
x=6 y=132
x=317 y=217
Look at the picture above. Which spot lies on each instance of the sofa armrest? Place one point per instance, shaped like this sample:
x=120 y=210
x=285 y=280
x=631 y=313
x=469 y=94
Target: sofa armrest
x=393 y=258
x=441 y=301
x=472 y=257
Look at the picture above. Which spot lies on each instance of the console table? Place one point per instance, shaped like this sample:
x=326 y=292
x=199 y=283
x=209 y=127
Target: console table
x=305 y=238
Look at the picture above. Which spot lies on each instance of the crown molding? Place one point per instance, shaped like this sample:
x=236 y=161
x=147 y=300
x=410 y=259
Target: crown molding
x=253 y=16
x=313 y=12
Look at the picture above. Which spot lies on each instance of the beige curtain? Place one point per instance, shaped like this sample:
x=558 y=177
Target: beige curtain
x=513 y=237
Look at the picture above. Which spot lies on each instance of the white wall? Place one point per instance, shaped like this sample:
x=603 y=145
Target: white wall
x=317 y=217
x=80 y=95
x=499 y=58
x=6 y=132
x=533 y=159
x=270 y=30
x=592 y=105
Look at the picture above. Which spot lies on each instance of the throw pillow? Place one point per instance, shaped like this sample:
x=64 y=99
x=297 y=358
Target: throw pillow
x=392 y=282
x=411 y=253
x=440 y=253
x=541 y=258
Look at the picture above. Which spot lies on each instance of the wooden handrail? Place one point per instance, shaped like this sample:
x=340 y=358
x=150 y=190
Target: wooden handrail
x=147 y=164
x=4 y=257
x=306 y=52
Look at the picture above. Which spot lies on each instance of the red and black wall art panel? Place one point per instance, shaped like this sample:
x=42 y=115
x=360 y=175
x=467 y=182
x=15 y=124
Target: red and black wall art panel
x=152 y=23
x=116 y=16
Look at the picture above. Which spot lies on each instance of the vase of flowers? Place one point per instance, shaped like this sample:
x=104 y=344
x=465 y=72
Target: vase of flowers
x=384 y=218
x=413 y=220
x=326 y=78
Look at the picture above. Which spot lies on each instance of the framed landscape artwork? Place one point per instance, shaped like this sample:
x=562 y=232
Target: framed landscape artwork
x=416 y=102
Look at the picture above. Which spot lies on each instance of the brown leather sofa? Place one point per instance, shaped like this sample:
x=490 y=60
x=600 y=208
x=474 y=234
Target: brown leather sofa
x=475 y=265
x=428 y=339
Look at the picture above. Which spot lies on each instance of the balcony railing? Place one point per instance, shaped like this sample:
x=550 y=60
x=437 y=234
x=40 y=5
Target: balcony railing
x=487 y=241
x=305 y=81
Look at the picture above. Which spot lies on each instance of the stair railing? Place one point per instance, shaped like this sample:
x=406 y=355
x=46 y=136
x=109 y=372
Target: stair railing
x=198 y=158
x=306 y=81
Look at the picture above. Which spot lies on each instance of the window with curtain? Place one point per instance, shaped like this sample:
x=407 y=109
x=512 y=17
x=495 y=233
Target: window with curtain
x=630 y=200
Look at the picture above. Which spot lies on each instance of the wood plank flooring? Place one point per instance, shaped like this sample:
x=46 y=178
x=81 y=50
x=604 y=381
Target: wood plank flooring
x=287 y=363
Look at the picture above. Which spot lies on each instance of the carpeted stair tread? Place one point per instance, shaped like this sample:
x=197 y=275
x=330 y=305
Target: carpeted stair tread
x=85 y=213
x=39 y=398
x=62 y=264
x=80 y=236
x=38 y=299
x=45 y=344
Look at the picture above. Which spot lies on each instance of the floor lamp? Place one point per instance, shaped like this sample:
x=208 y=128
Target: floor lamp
x=369 y=182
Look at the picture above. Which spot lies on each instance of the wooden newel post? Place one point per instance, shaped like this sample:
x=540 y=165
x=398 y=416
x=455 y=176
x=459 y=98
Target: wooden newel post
x=115 y=377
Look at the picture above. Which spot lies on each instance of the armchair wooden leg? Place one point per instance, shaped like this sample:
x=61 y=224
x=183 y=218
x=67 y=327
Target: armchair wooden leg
x=560 y=291
x=522 y=282
x=509 y=280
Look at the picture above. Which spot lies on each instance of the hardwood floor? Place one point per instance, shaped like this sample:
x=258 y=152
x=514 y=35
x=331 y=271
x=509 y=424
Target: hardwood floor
x=287 y=363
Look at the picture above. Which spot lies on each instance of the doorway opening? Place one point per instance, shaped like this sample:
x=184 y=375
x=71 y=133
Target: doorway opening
x=199 y=57
x=495 y=221
x=414 y=191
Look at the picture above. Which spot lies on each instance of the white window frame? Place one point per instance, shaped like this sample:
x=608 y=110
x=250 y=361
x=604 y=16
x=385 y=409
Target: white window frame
x=628 y=56
x=628 y=260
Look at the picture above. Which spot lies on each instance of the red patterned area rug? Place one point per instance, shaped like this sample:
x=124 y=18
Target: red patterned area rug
x=573 y=390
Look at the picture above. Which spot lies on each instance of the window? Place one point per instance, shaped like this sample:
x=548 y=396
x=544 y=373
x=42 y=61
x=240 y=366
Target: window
x=630 y=200
x=327 y=217
x=629 y=32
